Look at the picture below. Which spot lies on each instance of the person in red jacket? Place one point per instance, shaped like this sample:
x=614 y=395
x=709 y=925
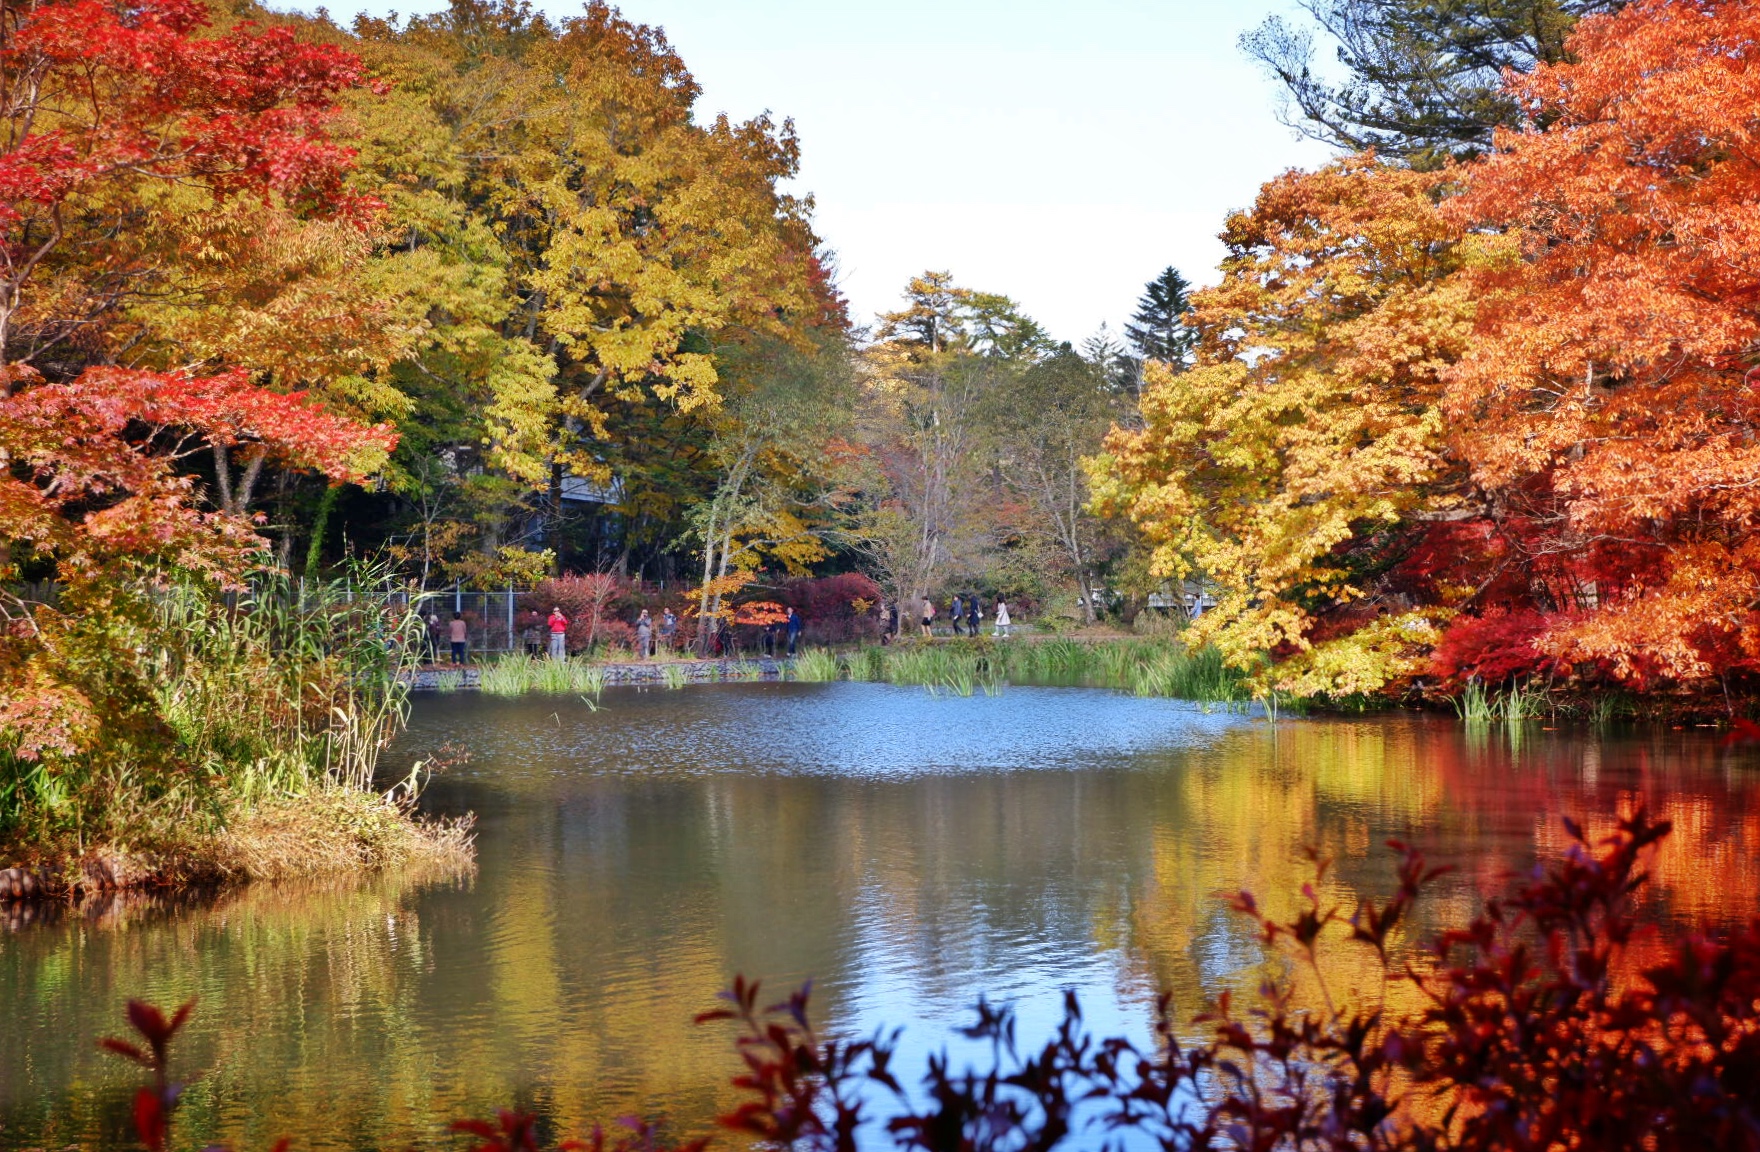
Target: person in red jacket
x=558 y=634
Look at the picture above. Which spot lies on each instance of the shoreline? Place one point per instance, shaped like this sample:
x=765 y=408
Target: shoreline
x=326 y=833
x=443 y=678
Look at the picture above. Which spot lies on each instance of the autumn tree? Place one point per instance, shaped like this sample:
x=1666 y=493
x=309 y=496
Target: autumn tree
x=1606 y=402
x=108 y=112
x=1303 y=455
x=584 y=246
x=107 y=109
x=781 y=466
x=1043 y=420
x=928 y=377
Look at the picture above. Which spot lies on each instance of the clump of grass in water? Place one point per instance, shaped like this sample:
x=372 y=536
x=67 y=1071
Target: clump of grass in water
x=1474 y=704
x=1610 y=706
x=590 y=679
x=1146 y=667
x=816 y=666
x=871 y=663
x=961 y=678
x=448 y=681
x=1183 y=674
x=1477 y=705
x=573 y=676
x=512 y=675
x=674 y=675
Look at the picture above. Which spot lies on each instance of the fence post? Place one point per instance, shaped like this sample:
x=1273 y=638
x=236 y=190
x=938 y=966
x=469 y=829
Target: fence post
x=457 y=596
x=510 y=617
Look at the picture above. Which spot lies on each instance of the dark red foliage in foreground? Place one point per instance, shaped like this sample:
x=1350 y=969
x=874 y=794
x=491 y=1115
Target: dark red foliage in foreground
x=1544 y=1028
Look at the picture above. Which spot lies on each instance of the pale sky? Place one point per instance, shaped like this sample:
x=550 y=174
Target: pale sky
x=1059 y=153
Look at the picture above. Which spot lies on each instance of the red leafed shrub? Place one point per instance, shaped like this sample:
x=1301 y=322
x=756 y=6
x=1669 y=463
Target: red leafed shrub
x=828 y=608
x=591 y=604
x=1555 y=1019
x=1492 y=648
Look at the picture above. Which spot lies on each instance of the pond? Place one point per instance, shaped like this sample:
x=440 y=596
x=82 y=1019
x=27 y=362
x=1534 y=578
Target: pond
x=907 y=851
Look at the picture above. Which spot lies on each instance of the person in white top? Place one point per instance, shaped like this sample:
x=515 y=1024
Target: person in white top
x=1002 y=621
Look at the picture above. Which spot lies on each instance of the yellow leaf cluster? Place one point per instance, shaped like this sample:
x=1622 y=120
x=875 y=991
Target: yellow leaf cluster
x=1309 y=420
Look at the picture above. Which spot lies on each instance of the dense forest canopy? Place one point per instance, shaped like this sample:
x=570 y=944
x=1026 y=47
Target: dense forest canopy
x=484 y=293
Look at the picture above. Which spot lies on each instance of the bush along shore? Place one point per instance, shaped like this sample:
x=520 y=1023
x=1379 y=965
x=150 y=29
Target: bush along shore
x=242 y=741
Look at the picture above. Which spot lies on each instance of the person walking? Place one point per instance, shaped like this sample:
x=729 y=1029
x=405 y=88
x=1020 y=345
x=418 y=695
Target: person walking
x=973 y=615
x=928 y=617
x=460 y=634
x=558 y=634
x=959 y=616
x=794 y=630
x=433 y=638
x=668 y=630
x=888 y=624
x=644 y=635
x=1002 y=620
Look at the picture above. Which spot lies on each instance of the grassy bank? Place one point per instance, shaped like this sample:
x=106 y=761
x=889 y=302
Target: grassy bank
x=1147 y=667
x=249 y=749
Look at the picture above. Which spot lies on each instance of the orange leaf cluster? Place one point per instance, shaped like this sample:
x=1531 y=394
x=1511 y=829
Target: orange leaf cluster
x=1607 y=403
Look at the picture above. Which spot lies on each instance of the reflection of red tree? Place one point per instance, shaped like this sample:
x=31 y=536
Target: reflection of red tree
x=1709 y=867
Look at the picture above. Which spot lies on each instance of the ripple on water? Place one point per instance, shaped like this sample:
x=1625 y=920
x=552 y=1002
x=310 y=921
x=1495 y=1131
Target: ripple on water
x=909 y=852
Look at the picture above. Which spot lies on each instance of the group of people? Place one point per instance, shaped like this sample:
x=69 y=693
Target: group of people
x=966 y=613
x=666 y=636
x=967 y=616
x=789 y=628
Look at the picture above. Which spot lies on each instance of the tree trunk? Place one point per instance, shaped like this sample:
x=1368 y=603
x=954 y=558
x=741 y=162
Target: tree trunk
x=315 y=549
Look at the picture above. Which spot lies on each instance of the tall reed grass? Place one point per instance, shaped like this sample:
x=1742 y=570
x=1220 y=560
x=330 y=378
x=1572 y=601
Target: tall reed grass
x=816 y=665
x=263 y=697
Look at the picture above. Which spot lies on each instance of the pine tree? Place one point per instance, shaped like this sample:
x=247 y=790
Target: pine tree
x=1117 y=367
x=1157 y=329
x=1423 y=80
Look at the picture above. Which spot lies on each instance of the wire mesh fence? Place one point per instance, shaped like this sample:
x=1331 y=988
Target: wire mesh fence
x=488 y=622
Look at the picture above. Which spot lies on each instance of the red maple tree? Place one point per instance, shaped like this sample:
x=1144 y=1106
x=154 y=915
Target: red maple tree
x=102 y=101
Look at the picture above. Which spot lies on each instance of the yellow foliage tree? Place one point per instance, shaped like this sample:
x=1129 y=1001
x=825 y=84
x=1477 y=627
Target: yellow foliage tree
x=1287 y=463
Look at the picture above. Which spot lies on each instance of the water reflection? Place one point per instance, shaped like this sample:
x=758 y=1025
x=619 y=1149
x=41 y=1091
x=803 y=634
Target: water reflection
x=907 y=851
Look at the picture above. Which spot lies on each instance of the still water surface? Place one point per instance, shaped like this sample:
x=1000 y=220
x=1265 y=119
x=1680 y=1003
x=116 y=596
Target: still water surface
x=908 y=852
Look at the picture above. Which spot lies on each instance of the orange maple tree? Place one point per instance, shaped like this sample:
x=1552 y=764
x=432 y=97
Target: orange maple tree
x=1607 y=402
x=1304 y=446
